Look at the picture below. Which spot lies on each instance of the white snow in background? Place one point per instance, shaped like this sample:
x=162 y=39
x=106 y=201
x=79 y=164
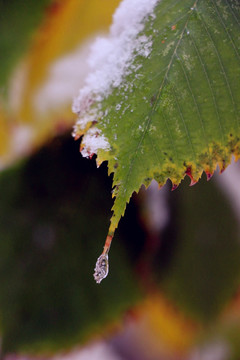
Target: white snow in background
x=112 y=57
x=157 y=207
x=229 y=182
x=97 y=351
x=218 y=350
x=21 y=137
x=65 y=76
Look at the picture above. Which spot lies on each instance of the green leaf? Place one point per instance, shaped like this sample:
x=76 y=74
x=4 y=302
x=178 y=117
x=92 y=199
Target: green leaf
x=176 y=111
x=48 y=299
x=204 y=269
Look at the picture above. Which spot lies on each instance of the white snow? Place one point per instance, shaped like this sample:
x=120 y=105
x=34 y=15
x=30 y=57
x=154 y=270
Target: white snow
x=112 y=58
x=93 y=141
x=64 y=78
x=21 y=137
x=229 y=182
x=218 y=350
x=95 y=351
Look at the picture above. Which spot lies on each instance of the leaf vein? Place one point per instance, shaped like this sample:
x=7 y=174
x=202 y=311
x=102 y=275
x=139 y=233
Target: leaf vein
x=159 y=94
x=184 y=122
x=223 y=71
x=225 y=29
x=195 y=102
x=173 y=55
x=233 y=14
x=208 y=81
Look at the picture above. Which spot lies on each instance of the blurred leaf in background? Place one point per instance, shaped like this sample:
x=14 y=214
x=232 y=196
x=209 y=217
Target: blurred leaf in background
x=18 y=20
x=43 y=67
x=173 y=289
x=49 y=238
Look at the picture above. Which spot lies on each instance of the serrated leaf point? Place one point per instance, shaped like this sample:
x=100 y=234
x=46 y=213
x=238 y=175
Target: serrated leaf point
x=209 y=174
x=190 y=174
x=174 y=187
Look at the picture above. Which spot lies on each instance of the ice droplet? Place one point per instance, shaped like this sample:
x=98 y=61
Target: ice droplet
x=101 y=268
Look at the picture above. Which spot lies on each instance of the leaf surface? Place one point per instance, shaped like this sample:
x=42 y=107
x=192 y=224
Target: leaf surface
x=176 y=111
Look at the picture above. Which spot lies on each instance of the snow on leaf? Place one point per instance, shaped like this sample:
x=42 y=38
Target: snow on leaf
x=164 y=93
x=42 y=66
x=112 y=58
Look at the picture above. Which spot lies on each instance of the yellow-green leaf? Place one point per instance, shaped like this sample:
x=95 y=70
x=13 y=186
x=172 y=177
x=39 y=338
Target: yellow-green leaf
x=175 y=108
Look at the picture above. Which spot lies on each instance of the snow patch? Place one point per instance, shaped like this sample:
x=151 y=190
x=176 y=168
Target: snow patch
x=92 y=142
x=112 y=58
x=64 y=77
x=21 y=137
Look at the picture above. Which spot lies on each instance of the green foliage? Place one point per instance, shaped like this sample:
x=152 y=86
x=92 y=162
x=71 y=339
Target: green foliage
x=204 y=269
x=177 y=113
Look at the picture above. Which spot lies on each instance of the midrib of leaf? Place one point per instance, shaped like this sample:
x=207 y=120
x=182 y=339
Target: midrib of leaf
x=173 y=56
x=188 y=120
x=148 y=123
x=119 y=199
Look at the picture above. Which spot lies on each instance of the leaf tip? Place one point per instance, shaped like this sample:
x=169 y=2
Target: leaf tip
x=189 y=173
x=209 y=174
x=174 y=186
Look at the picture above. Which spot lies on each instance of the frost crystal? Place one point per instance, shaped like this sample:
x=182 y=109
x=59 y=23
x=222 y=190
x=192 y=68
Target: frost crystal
x=101 y=268
x=110 y=60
